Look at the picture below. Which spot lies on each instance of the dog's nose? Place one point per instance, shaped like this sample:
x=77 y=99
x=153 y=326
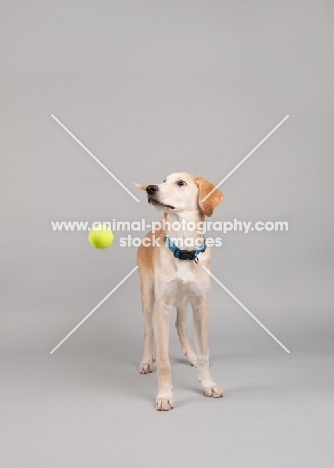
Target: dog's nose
x=151 y=189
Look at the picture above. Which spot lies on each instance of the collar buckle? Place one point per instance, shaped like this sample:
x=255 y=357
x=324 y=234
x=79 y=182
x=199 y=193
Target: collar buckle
x=186 y=255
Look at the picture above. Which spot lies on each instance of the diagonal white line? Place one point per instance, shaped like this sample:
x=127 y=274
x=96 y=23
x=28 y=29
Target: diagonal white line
x=246 y=157
x=248 y=311
x=95 y=158
x=95 y=308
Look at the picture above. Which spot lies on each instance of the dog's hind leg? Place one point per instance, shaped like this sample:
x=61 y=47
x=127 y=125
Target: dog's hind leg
x=183 y=335
x=147 y=297
x=200 y=316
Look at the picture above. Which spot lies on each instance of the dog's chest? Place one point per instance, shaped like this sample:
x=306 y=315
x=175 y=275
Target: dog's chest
x=184 y=272
x=185 y=284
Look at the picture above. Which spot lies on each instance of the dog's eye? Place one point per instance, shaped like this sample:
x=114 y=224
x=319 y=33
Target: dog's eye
x=181 y=182
x=164 y=180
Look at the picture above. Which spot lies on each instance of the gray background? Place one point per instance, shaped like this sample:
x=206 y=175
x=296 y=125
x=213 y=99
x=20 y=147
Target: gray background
x=153 y=87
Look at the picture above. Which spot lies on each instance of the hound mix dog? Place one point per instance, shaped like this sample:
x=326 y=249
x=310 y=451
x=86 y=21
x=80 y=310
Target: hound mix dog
x=170 y=276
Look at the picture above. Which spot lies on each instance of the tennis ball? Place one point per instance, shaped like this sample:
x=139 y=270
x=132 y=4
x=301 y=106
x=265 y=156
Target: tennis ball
x=101 y=236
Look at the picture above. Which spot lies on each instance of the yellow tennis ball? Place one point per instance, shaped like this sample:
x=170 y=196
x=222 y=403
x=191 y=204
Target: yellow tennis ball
x=100 y=237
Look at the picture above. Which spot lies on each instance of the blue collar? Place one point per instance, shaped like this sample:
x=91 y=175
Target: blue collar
x=184 y=254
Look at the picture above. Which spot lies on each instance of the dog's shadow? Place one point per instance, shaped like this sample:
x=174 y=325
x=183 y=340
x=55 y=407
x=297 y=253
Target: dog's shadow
x=118 y=377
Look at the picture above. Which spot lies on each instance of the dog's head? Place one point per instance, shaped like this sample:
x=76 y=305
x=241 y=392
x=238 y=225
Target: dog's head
x=182 y=192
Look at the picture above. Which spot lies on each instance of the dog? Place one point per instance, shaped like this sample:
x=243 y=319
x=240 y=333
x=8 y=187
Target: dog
x=170 y=276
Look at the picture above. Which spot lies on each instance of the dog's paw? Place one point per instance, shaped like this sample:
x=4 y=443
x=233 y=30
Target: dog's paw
x=164 y=403
x=191 y=356
x=193 y=362
x=214 y=391
x=145 y=367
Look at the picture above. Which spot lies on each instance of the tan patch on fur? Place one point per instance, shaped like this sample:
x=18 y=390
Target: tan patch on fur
x=205 y=187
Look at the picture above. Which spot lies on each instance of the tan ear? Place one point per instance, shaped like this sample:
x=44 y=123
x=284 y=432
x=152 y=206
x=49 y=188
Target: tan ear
x=204 y=188
x=141 y=186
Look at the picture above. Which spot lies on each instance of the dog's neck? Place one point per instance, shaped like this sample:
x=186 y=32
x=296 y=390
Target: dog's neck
x=184 y=237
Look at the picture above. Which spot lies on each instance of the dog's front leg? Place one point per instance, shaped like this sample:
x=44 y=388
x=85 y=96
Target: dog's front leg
x=201 y=315
x=164 y=400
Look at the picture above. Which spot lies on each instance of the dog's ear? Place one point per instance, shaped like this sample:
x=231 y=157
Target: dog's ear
x=141 y=186
x=204 y=188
